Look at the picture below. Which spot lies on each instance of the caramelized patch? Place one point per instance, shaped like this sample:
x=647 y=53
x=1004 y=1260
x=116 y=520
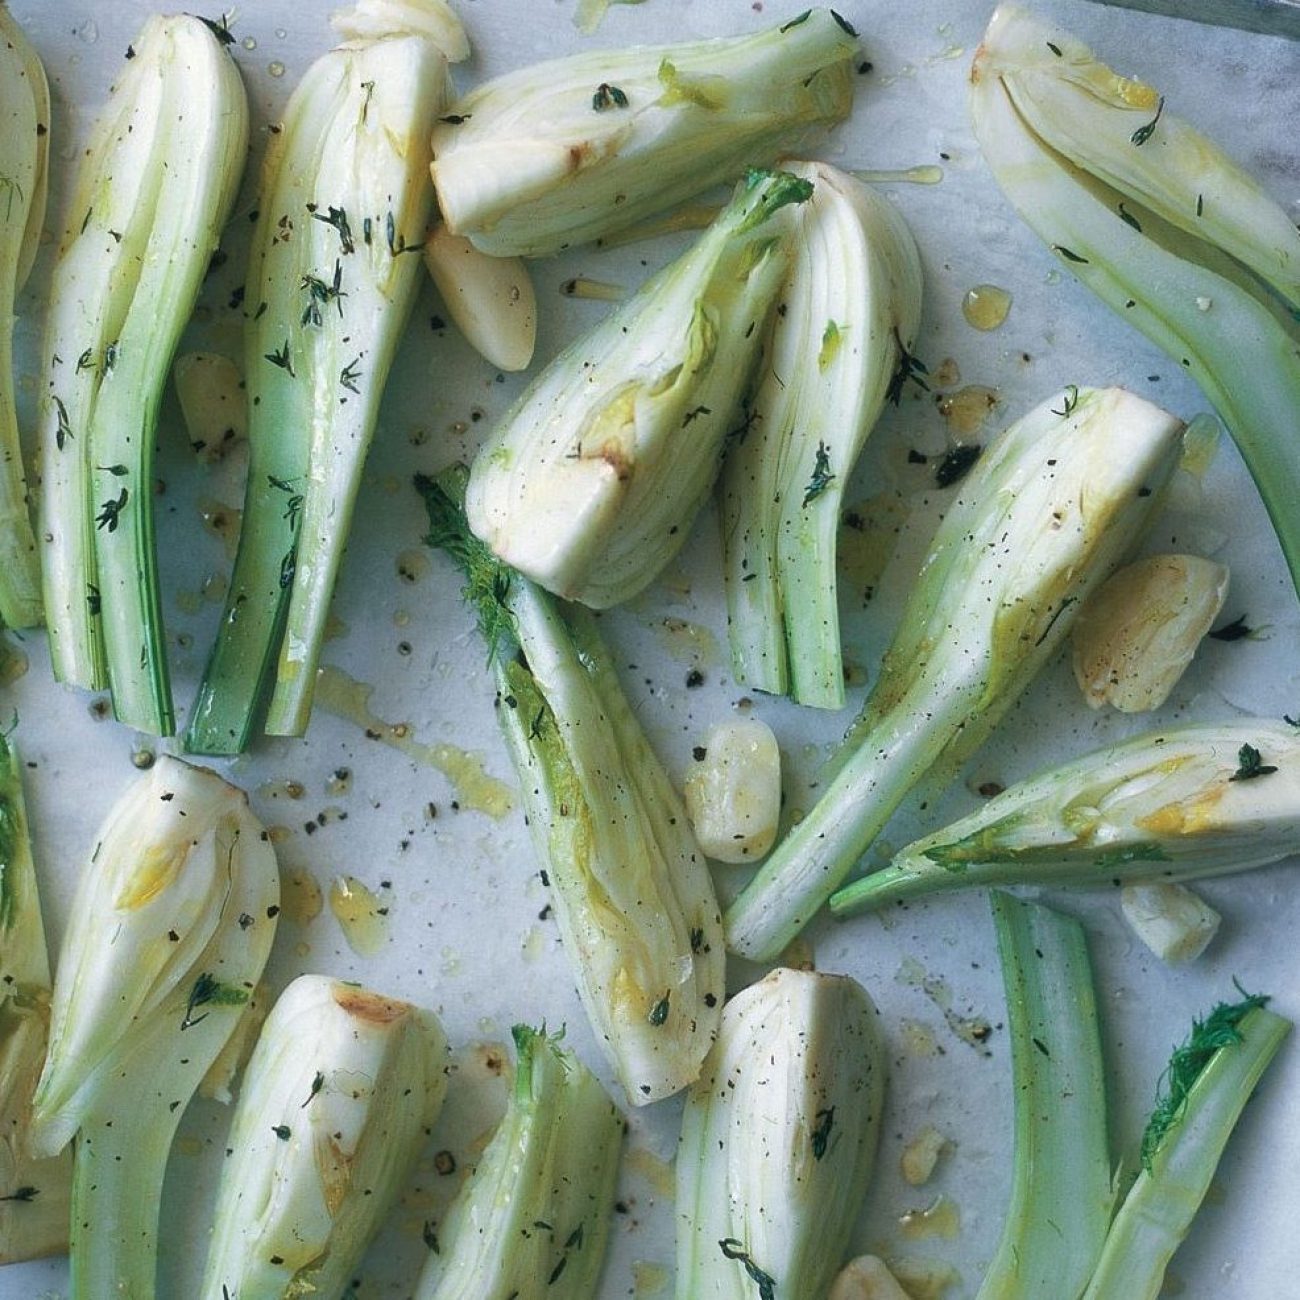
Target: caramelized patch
x=368 y=1006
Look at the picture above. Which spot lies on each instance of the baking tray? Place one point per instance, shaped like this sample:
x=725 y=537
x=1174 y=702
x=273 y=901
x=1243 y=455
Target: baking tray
x=466 y=933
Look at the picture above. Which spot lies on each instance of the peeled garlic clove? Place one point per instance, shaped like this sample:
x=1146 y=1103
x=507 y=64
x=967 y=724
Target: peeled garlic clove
x=1175 y=923
x=866 y=1278
x=1138 y=632
x=490 y=299
x=733 y=794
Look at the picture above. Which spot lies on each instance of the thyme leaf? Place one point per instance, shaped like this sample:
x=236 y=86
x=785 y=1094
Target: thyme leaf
x=110 y=511
x=822 y=477
x=282 y=358
x=909 y=367
x=1250 y=765
x=1144 y=133
x=338 y=218
x=1071 y=401
x=766 y=1283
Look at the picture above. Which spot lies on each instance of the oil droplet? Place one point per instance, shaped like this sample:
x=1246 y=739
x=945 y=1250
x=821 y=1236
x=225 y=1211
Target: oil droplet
x=278 y=834
x=689 y=642
x=869 y=534
x=301 y=899
x=947 y=374
x=658 y=1173
x=412 y=565
x=361 y=916
x=13 y=662
x=534 y=944
x=249 y=43
x=188 y=1146
x=919 y=1039
x=939 y=1219
x=946 y=55
x=927 y=174
x=335 y=627
x=986 y=306
x=973 y=1030
x=88 y=32
x=648 y=1278
x=340 y=782
x=275 y=68
x=967 y=409
x=924 y=1279
x=143 y=758
x=798 y=955
x=921 y=1155
x=222 y=522
x=345 y=697
x=281 y=789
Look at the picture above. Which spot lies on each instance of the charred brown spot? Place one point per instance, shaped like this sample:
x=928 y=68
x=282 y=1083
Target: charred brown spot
x=369 y=1006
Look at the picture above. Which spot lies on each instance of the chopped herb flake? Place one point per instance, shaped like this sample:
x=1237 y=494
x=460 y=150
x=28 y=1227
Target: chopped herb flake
x=822 y=1132
x=957 y=464
x=607 y=97
x=210 y=991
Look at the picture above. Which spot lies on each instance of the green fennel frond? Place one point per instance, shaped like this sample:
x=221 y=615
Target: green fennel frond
x=487 y=580
x=1218 y=1030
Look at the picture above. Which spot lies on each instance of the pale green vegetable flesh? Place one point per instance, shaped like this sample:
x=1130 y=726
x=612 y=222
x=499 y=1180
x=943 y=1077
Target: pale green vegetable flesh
x=152 y=193
x=340 y=1092
x=778 y=1140
x=1158 y=222
x=34 y=1192
x=1044 y=516
x=1061 y=1193
x=532 y=1222
x=348 y=172
x=24 y=150
x=631 y=889
x=1207 y=1085
x=169 y=931
x=573 y=150
x=1172 y=805
x=591 y=482
x=839 y=348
